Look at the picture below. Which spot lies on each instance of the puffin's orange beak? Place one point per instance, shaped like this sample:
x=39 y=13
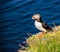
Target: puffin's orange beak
x=33 y=17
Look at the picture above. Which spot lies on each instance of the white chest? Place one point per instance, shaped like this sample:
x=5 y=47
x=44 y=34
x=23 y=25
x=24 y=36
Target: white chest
x=38 y=25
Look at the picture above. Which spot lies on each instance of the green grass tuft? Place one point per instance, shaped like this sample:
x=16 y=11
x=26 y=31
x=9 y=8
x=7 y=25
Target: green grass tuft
x=49 y=42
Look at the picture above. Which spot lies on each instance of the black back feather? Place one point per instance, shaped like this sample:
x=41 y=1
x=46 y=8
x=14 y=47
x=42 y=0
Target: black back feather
x=40 y=20
x=45 y=25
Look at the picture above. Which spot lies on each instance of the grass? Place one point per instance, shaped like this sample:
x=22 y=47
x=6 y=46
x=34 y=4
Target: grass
x=49 y=42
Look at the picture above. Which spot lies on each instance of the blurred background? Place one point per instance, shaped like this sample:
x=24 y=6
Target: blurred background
x=15 y=18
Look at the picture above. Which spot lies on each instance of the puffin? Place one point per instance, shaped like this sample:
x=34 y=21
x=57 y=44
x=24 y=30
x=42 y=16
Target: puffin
x=40 y=24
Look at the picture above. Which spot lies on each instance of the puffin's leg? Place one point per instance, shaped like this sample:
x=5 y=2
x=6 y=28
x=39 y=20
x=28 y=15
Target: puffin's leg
x=43 y=33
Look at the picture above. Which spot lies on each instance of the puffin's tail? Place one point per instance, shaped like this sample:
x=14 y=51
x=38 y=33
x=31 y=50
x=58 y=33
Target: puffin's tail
x=50 y=29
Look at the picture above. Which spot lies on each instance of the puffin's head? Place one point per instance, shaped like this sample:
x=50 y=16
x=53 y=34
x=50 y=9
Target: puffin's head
x=36 y=16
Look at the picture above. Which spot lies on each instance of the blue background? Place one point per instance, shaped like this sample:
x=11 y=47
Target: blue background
x=15 y=18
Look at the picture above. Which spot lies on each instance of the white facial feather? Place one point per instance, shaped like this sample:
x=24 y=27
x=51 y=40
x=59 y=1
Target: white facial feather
x=37 y=16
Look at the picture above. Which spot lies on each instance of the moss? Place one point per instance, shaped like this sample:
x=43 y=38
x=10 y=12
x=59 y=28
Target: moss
x=49 y=42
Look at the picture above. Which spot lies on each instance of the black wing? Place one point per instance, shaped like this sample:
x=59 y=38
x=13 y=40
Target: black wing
x=41 y=20
x=46 y=26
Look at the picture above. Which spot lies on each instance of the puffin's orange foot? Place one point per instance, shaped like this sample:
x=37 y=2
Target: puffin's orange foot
x=41 y=34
